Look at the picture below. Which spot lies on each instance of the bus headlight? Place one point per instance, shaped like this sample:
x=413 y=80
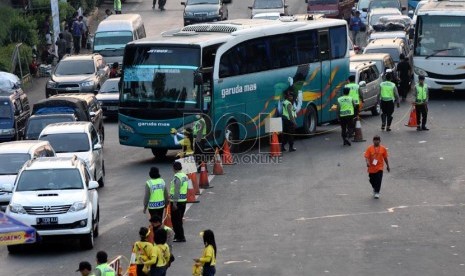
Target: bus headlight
x=125 y=127
x=419 y=71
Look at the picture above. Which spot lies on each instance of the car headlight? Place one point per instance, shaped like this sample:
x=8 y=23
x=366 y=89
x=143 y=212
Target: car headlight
x=125 y=127
x=78 y=206
x=51 y=84
x=419 y=71
x=212 y=13
x=188 y=14
x=17 y=209
x=87 y=83
x=7 y=131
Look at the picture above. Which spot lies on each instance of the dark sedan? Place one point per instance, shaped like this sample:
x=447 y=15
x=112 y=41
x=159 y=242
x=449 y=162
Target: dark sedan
x=198 y=11
x=108 y=97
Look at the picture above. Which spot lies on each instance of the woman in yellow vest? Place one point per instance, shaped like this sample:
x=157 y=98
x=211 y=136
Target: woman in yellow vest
x=185 y=142
x=208 y=259
x=162 y=253
x=144 y=255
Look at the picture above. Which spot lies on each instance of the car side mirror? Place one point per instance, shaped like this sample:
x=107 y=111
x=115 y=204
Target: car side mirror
x=250 y=7
x=306 y=1
x=285 y=6
x=198 y=78
x=92 y=114
x=183 y=3
x=93 y=185
x=97 y=146
x=410 y=12
x=227 y=1
x=404 y=8
x=362 y=84
x=365 y=9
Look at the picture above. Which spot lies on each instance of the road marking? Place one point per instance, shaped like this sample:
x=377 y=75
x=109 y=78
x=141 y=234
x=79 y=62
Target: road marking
x=237 y=262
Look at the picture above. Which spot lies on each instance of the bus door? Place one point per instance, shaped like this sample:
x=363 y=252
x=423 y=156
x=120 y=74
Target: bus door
x=325 y=76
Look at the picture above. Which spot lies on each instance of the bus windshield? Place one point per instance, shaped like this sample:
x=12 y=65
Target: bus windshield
x=160 y=77
x=437 y=36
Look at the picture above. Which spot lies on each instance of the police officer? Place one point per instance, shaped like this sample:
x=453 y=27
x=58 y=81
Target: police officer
x=178 y=199
x=103 y=269
x=421 y=103
x=387 y=97
x=289 y=123
x=199 y=131
x=156 y=194
x=345 y=114
x=356 y=96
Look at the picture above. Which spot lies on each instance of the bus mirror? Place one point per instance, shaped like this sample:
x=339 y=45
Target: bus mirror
x=198 y=78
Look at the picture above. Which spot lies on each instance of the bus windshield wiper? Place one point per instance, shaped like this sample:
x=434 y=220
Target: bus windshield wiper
x=438 y=51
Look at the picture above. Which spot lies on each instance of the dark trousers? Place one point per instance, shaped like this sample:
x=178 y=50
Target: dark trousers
x=157 y=271
x=68 y=50
x=77 y=44
x=288 y=133
x=422 y=113
x=387 y=108
x=375 y=180
x=176 y=219
x=157 y=212
x=347 y=123
x=209 y=271
x=404 y=88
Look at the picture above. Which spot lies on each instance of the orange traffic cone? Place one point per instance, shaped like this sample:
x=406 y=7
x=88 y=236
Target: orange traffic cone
x=412 y=122
x=167 y=219
x=227 y=157
x=195 y=183
x=275 y=147
x=217 y=167
x=358 y=137
x=203 y=183
x=191 y=193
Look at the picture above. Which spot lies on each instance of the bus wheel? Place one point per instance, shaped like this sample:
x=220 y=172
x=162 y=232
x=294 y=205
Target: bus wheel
x=310 y=120
x=233 y=130
x=160 y=154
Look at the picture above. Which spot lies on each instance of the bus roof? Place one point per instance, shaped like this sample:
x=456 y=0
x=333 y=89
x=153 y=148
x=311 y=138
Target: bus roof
x=205 y=34
x=120 y=22
x=452 y=8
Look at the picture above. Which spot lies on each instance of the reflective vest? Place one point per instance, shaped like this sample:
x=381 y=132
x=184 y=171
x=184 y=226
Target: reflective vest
x=183 y=189
x=286 y=103
x=387 y=91
x=346 y=106
x=354 y=92
x=421 y=93
x=117 y=5
x=106 y=270
x=157 y=195
x=197 y=125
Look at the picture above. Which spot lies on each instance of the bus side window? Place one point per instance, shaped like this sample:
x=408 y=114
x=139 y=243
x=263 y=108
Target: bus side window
x=255 y=56
x=338 y=36
x=282 y=50
x=324 y=45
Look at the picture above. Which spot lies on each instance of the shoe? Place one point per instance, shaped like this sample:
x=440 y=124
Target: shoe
x=425 y=128
x=283 y=149
x=347 y=143
x=153 y=7
x=418 y=128
x=388 y=129
x=179 y=240
x=292 y=149
x=376 y=195
x=382 y=127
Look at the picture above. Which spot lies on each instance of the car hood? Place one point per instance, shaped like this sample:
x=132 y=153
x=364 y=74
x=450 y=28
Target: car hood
x=6 y=123
x=73 y=78
x=49 y=197
x=83 y=155
x=202 y=8
x=107 y=97
x=7 y=182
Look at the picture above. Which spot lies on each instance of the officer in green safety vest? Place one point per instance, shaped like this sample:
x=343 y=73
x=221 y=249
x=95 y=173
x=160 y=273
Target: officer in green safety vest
x=345 y=113
x=386 y=98
x=355 y=93
x=156 y=194
x=103 y=268
x=178 y=199
x=199 y=131
x=117 y=6
x=289 y=121
x=421 y=103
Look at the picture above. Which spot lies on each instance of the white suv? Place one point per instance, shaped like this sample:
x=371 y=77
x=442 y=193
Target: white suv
x=77 y=138
x=58 y=197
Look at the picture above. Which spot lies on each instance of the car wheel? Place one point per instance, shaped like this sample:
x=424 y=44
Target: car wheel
x=14 y=249
x=97 y=222
x=87 y=241
x=310 y=120
x=101 y=181
x=375 y=110
x=160 y=154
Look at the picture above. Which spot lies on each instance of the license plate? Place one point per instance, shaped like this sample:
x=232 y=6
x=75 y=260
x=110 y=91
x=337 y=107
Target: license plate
x=448 y=88
x=47 y=220
x=153 y=142
x=112 y=108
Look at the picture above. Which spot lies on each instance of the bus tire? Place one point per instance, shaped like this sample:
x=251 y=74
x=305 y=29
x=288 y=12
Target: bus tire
x=233 y=136
x=160 y=154
x=310 y=120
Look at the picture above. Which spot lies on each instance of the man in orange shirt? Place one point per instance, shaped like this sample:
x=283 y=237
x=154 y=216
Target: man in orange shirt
x=375 y=156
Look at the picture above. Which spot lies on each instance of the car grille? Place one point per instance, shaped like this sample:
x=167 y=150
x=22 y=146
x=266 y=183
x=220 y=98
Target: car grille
x=110 y=103
x=446 y=77
x=58 y=226
x=68 y=85
x=200 y=14
x=47 y=210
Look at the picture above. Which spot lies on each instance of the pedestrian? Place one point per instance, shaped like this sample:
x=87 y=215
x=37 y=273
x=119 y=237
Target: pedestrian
x=144 y=253
x=114 y=70
x=46 y=25
x=69 y=39
x=156 y=223
x=178 y=199
x=421 y=103
x=61 y=45
x=375 y=156
x=103 y=269
x=156 y=195
x=355 y=25
x=199 y=130
x=85 y=268
x=85 y=30
x=404 y=71
x=107 y=13
x=208 y=259
x=34 y=66
x=289 y=124
x=186 y=142
x=162 y=254
x=117 y=6
x=345 y=114
x=386 y=98
x=77 y=30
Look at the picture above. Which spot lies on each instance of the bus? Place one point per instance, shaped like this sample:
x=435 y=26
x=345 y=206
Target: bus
x=439 y=52
x=234 y=73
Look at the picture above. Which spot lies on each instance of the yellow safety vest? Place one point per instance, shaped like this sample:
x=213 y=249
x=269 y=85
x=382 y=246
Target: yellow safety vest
x=421 y=93
x=183 y=189
x=387 y=91
x=106 y=270
x=157 y=195
x=197 y=125
x=286 y=103
x=346 y=106
x=354 y=93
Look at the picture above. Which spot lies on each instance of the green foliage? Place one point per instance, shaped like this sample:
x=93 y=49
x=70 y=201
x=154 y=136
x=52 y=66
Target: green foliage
x=17 y=27
x=66 y=11
x=6 y=52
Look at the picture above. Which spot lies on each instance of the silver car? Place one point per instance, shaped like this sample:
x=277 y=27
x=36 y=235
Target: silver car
x=368 y=77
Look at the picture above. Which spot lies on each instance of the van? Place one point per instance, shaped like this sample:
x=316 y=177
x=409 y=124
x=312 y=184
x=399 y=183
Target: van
x=114 y=33
x=267 y=6
x=368 y=78
x=14 y=112
x=331 y=8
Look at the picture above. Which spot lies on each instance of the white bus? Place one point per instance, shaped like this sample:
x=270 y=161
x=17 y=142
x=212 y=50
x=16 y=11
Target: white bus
x=439 y=45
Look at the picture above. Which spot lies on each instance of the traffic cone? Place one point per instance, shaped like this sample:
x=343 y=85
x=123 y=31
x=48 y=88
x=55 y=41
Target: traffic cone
x=227 y=157
x=203 y=183
x=195 y=183
x=217 y=166
x=167 y=218
x=275 y=147
x=358 y=137
x=412 y=122
x=191 y=193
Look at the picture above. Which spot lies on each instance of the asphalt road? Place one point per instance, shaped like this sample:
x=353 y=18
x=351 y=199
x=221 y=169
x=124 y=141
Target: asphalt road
x=311 y=214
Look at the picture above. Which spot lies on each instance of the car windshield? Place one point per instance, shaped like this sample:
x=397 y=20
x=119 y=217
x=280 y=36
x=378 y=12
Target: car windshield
x=75 y=67
x=384 y=4
x=374 y=19
x=110 y=44
x=11 y=163
x=393 y=52
x=68 y=142
x=49 y=179
x=36 y=125
x=268 y=4
x=5 y=110
x=110 y=86
x=201 y=2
